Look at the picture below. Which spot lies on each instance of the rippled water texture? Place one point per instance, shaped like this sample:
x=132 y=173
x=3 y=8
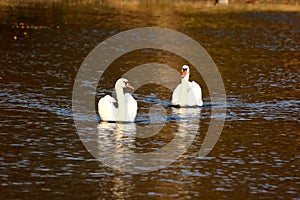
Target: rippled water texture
x=42 y=156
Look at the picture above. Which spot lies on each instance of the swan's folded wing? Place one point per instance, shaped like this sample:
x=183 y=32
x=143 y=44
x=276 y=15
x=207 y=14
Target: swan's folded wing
x=131 y=104
x=195 y=94
x=106 y=108
x=175 y=95
x=195 y=86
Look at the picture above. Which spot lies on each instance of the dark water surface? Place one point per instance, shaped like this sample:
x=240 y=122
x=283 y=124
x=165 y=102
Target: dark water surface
x=256 y=157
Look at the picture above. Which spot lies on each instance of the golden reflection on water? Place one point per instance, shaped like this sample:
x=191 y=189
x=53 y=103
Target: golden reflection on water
x=117 y=143
x=255 y=157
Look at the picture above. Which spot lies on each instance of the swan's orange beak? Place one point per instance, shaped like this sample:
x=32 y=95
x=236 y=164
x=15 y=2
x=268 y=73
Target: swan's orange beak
x=128 y=85
x=183 y=74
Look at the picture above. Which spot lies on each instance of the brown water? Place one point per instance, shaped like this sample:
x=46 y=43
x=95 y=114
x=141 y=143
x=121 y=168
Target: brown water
x=256 y=157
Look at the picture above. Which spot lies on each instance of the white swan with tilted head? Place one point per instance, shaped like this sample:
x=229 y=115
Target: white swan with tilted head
x=187 y=93
x=127 y=105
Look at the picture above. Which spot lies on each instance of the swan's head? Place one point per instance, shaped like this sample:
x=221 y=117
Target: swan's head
x=185 y=72
x=123 y=83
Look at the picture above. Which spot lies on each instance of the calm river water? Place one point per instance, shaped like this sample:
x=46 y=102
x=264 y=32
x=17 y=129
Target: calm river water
x=256 y=156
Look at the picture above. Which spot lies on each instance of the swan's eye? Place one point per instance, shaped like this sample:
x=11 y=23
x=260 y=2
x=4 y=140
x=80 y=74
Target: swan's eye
x=184 y=69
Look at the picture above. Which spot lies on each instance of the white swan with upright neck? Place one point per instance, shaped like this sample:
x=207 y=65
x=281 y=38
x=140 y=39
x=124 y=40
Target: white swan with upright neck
x=187 y=93
x=127 y=105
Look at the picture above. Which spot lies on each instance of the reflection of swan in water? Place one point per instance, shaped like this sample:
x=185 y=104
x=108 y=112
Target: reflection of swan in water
x=187 y=114
x=127 y=105
x=189 y=120
x=116 y=131
x=187 y=93
x=114 y=143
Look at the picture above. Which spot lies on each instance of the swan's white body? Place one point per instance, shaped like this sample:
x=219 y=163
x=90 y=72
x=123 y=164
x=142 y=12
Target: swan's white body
x=127 y=105
x=187 y=93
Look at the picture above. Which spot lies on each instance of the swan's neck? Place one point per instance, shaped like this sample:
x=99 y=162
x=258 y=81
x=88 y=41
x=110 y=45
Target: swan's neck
x=183 y=92
x=121 y=115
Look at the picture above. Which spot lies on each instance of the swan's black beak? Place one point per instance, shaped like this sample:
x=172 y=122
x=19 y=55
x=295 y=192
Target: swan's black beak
x=128 y=85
